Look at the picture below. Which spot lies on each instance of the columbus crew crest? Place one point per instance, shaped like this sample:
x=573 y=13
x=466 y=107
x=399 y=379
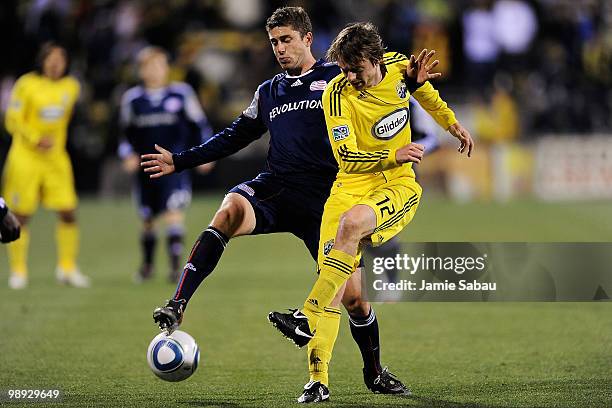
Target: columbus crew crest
x=327 y=247
x=400 y=88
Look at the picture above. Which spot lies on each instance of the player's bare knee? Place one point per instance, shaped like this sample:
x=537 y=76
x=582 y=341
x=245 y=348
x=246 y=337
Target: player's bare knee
x=226 y=218
x=350 y=303
x=68 y=216
x=174 y=217
x=229 y=217
x=355 y=305
x=348 y=227
x=361 y=309
x=354 y=223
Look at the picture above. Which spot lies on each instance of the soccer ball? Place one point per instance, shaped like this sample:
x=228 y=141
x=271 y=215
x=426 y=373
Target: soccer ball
x=173 y=357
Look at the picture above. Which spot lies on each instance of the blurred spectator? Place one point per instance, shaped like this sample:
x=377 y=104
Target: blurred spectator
x=480 y=45
x=496 y=118
x=515 y=26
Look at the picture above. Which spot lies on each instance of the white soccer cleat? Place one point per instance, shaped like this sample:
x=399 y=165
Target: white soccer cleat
x=17 y=281
x=75 y=278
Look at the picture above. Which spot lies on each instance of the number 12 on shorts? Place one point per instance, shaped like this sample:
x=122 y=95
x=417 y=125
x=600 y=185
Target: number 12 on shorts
x=384 y=207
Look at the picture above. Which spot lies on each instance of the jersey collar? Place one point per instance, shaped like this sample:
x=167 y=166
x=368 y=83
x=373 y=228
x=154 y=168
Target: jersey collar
x=316 y=65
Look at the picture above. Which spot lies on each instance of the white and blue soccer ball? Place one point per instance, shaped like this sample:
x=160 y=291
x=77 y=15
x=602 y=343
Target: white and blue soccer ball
x=173 y=357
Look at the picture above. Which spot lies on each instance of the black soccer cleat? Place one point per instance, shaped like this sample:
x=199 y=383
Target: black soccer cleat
x=293 y=325
x=314 y=391
x=170 y=316
x=385 y=383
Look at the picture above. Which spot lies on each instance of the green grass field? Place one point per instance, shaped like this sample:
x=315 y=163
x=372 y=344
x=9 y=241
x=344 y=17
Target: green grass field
x=91 y=344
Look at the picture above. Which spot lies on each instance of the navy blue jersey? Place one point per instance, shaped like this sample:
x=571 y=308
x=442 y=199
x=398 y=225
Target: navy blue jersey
x=170 y=116
x=289 y=107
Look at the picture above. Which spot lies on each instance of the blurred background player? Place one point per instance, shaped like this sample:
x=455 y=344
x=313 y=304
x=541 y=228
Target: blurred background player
x=38 y=167
x=168 y=114
x=9 y=224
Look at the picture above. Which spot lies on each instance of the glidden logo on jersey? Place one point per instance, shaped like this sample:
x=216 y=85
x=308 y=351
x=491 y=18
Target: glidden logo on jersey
x=391 y=124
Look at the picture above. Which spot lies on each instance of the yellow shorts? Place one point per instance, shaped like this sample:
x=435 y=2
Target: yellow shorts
x=32 y=178
x=395 y=204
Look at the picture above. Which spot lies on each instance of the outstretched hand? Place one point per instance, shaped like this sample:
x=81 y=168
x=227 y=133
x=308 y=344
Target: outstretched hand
x=464 y=137
x=160 y=164
x=419 y=68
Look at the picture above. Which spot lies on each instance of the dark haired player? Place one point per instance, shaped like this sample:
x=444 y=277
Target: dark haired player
x=38 y=169
x=287 y=197
x=169 y=114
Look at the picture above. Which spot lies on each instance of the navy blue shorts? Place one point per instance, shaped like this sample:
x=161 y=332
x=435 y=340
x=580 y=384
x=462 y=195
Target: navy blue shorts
x=282 y=205
x=156 y=196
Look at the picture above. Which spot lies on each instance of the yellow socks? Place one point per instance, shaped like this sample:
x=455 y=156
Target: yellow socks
x=336 y=268
x=18 y=253
x=322 y=344
x=67 y=236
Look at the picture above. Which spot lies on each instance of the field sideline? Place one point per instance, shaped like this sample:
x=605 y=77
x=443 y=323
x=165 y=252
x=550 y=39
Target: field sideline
x=91 y=344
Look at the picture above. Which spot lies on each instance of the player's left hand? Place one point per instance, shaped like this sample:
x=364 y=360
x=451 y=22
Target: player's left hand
x=419 y=68
x=461 y=133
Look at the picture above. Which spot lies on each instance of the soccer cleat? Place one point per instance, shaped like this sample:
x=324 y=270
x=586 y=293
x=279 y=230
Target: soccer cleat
x=293 y=325
x=170 y=316
x=17 y=281
x=72 y=278
x=385 y=383
x=314 y=391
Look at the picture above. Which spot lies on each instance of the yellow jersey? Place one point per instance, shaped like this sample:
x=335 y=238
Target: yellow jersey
x=40 y=107
x=367 y=127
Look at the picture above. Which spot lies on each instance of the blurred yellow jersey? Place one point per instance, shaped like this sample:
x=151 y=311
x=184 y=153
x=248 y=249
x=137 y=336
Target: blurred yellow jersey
x=367 y=127
x=41 y=107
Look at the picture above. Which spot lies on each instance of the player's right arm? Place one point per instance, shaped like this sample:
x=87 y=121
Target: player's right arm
x=341 y=132
x=247 y=128
x=418 y=73
x=15 y=120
